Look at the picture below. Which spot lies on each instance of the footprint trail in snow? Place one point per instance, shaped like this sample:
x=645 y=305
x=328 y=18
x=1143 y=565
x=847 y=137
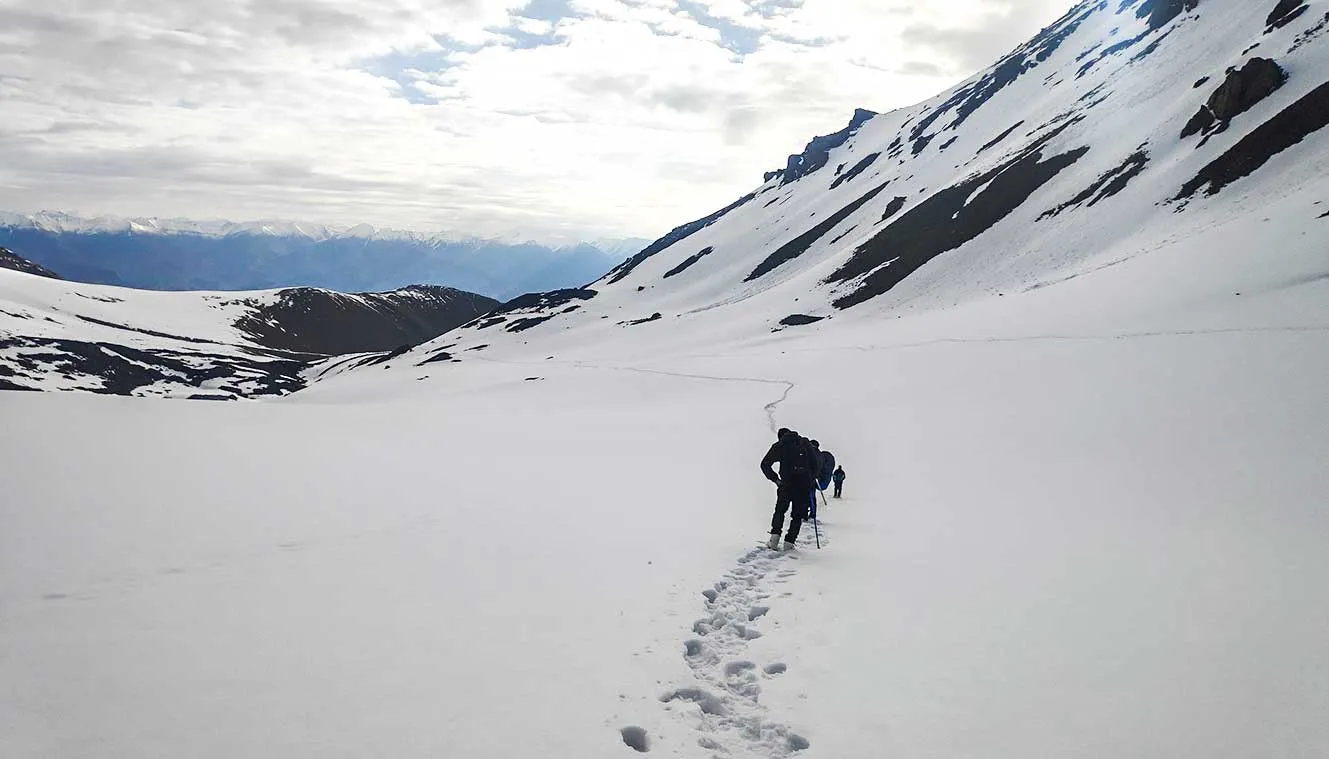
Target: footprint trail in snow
x=727 y=711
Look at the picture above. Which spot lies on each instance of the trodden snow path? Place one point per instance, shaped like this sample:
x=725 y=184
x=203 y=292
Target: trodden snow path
x=723 y=703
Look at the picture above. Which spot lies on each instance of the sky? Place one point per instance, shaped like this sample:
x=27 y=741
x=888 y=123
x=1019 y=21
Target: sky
x=555 y=120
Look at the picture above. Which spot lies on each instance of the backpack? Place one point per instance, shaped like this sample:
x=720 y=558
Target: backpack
x=827 y=464
x=796 y=459
x=826 y=468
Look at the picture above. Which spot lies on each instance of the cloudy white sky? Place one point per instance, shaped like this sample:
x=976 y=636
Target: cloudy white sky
x=549 y=119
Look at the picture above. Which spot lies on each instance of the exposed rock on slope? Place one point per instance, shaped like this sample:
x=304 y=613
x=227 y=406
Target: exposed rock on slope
x=57 y=335
x=1285 y=13
x=947 y=220
x=1162 y=11
x=8 y=260
x=678 y=233
x=1240 y=91
x=33 y=363
x=818 y=151
x=1060 y=158
x=310 y=320
x=1055 y=163
x=1292 y=125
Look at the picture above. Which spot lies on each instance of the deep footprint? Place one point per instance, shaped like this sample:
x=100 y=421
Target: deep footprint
x=636 y=738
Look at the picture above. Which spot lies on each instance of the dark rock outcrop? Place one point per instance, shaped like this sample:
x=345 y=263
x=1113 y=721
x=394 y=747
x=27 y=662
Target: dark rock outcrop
x=818 y=151
x=113 y=369
x=310 y=320
x=1245 y=87
x=798 y=320
x=799 y=245
x=1309 y=34
x=1239 y=92
x=544 y=301
x=893 y=207
x=969 y=98
x=525 y=323
x=8 y=260
x=1289 y=127
x=1161 y=12
x=949 y=219
x=1107 y=185
x=689 y=261
x=1284 y=13
x=532 y=309
x=678 y=233
x=1202 y=121
x=855 y=170
x=655 y=317
x=1001 y=137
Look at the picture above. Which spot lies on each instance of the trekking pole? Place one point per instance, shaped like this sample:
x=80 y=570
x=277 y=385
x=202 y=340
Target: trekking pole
x=816 y=530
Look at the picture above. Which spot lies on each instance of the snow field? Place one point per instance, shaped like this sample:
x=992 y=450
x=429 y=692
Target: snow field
x=1045 y=541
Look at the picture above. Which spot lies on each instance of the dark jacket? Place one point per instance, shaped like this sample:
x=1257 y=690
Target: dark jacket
x=838 y=476
x=797 y=463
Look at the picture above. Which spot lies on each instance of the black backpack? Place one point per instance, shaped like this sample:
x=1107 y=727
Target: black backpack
x=797 y=458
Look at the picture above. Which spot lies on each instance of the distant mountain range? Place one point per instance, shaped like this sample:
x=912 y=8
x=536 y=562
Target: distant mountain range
x=185 y=254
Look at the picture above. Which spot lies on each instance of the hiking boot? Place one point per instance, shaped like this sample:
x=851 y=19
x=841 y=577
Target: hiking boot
x=788 y=546
x=773 y=543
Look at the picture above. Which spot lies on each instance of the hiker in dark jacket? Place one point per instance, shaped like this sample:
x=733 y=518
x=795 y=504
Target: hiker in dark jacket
x=825 y=467
x=838 y=479
x=794 y=482
x=827 y=470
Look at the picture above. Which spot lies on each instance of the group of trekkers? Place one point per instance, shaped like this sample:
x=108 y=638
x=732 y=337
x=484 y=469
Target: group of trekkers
x=805 y=470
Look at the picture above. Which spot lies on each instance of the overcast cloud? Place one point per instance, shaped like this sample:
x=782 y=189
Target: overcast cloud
x=549 y=119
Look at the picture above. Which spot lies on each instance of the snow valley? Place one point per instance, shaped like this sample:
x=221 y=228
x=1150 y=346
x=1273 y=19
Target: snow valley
x=1066 y=325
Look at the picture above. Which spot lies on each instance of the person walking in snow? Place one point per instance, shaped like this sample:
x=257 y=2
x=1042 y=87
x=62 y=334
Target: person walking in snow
x=824 y=468
x=838 y=479
x=795 y=480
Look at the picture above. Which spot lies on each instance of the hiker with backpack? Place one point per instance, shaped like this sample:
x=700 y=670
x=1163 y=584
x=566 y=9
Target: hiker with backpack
x=794 y=482
x=825 y=468
x=838 y=479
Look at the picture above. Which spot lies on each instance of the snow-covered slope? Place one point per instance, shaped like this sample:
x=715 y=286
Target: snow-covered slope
x=1064 y=157
x=57 y=335
x=1085 y=514
x=1069 y=531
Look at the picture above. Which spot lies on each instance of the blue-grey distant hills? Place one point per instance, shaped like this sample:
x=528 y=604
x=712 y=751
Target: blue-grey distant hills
x=179 y=254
